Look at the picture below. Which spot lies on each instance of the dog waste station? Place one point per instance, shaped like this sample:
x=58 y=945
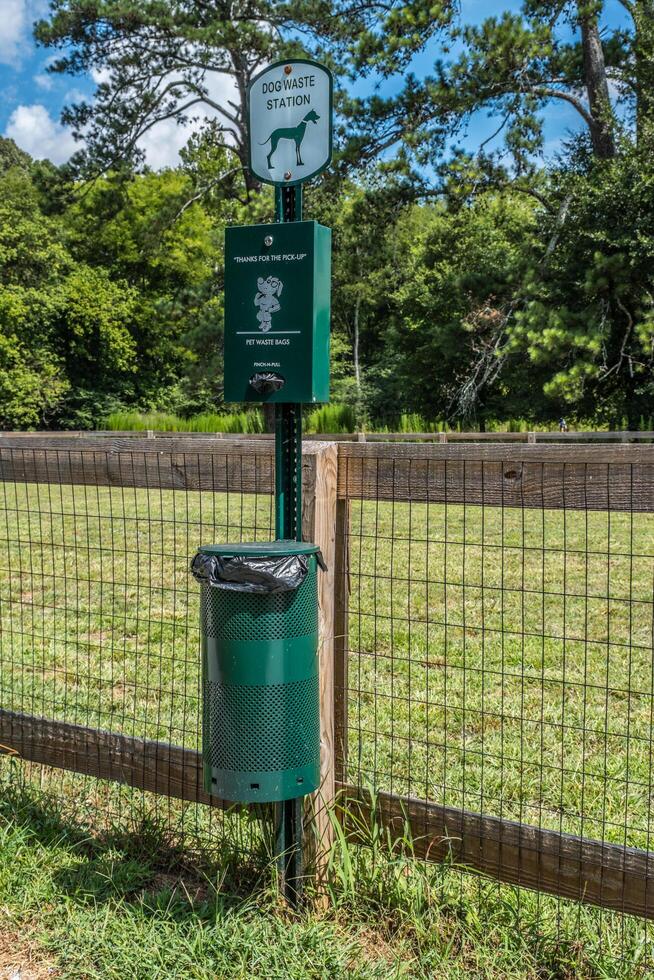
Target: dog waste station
x=259 y=600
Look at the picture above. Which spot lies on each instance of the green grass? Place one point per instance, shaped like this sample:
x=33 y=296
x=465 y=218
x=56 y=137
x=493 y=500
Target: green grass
x=333 y=418
x=115 y=903
x=462 y=689
x=504 y=660
x=326 y=418
x=236 y=422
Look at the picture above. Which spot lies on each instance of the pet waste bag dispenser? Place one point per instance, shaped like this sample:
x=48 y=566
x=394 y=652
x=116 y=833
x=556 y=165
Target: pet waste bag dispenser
x=259 y=624
x=277 y=299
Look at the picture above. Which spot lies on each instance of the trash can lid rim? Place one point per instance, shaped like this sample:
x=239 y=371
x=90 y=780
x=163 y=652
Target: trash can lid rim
x=260 y=549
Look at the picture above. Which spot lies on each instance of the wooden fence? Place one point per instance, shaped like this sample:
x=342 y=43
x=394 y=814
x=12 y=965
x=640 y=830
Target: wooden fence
x=529 y=437
x=531 y=478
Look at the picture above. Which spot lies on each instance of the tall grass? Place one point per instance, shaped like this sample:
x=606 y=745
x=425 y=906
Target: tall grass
x=248 y=422
x=411 y=422
x=458 y=924
x=326 y=418
x=129 y=900
x=336 y=418
x=331 y=418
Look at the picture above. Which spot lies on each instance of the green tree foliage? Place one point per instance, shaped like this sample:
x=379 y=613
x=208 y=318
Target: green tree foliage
x=146 y=234
x=579 y=307
x=12 y=156
x=161 y=61
x=363 y=220
x=512 y=66
x=63 y=324
x=428 y=289
x=97 y=299
x=465 y=286
x=33 y=260
x=586 y=319
x=456 y=285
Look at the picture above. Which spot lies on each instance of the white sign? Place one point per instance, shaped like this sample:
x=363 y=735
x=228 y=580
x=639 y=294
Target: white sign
x=290 y=116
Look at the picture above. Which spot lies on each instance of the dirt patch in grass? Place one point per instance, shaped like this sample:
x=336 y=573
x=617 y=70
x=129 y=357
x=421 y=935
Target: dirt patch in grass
x=374 y=947
x=21 y=958
x=192 y=889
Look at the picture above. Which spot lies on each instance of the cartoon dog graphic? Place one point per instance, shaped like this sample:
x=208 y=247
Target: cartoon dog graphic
x=267 y=300
x=295 y=133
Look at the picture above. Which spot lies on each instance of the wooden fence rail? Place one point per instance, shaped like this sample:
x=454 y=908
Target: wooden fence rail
x=578 y=477
x=615 y=877
x=616 y=478
x=533 y=437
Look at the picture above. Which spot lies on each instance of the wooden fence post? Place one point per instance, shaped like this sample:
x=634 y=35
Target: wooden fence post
x=320 y=470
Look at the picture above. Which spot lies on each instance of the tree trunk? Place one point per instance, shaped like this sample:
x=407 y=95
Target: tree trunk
x=636 y=405
x=268 y=417
x=242 y=78
x=597 y=86
x=355 y=345
x=252 y=184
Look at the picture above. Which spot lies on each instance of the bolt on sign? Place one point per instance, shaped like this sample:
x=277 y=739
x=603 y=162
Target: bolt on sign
x=290 y=122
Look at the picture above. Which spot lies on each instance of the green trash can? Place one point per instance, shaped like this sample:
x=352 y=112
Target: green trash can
x=259 y=625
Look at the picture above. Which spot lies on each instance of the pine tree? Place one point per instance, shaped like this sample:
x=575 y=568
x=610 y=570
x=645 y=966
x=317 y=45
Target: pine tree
x=512 y=67
x=159 y=60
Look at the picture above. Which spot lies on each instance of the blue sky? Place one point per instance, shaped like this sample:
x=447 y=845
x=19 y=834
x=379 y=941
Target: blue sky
x=31 y=100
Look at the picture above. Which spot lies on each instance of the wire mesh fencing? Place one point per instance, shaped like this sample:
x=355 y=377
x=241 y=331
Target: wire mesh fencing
x=494 y=624
x=99 y=616
x=499 y=673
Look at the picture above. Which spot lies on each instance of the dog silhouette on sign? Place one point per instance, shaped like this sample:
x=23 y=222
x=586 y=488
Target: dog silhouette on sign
x=295 y=133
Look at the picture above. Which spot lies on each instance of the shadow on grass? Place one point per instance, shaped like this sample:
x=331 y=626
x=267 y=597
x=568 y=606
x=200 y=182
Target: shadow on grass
x=145 y=862
x=435 y=911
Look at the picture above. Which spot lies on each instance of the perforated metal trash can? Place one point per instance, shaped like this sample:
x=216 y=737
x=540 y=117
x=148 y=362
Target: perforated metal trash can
x=261 y=732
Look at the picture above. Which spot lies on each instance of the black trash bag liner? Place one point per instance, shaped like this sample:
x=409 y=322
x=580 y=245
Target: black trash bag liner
x=245 y=573
x=265 y=382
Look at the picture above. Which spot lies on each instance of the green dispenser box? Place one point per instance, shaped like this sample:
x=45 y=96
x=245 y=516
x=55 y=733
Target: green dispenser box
x=259 y=626
x=277 y=309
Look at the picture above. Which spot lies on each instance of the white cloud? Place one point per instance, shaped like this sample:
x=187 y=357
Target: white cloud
x=75 y=95
x=44 y=81
x=100 y=75
x=14 y=31
x=163 y=142
x=616 y=90
x=220 y=88
x=16 y=34
x=36 y=132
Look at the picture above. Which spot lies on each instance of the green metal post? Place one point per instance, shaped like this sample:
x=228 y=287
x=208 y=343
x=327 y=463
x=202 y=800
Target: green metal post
x=288 y=472
x=288 y=526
